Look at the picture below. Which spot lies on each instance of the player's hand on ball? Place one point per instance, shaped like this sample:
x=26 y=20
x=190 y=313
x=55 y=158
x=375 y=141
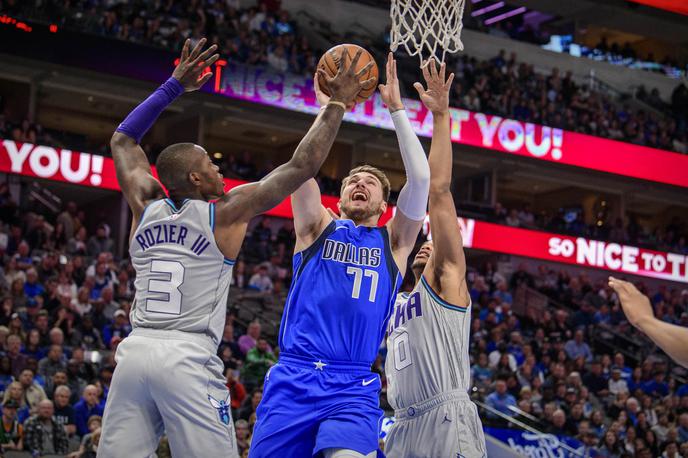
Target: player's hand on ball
x=436 y=96
x=346 y=84
x=389 y=91
x=635 y=304
x=193 y=63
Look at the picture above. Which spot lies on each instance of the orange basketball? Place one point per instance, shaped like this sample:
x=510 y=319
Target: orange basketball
x=330 y=63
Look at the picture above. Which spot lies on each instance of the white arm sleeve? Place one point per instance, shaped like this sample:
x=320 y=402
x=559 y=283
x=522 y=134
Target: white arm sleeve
x=413 y=198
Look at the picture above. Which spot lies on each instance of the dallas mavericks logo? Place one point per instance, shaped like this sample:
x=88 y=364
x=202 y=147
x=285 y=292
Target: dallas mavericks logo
x=222 y=408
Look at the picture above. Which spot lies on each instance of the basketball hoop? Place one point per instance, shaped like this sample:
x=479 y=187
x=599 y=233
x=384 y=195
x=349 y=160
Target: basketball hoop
x=424 y=27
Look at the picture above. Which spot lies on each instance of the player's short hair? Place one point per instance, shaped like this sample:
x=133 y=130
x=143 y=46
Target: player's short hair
x=173 y=165
x=377 y=173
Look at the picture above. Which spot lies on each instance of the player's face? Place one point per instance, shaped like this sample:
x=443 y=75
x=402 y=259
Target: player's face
x=208 y=176
x=362 y=197
x=423 y=256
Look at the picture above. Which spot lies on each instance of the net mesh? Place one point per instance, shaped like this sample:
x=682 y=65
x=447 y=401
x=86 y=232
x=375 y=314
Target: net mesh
x=427 y=28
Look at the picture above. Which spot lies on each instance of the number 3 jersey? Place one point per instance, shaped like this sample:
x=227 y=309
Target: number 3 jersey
x=182 y=278
x=427 y=347
x=341 y=295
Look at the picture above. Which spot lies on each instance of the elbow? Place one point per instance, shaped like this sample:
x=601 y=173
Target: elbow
x=120 y=140
x=439 y=189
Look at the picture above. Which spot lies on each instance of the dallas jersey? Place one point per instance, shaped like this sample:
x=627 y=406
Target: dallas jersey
x=427 y=347
x=322 y=393
x=182 y=278
x=341 y=295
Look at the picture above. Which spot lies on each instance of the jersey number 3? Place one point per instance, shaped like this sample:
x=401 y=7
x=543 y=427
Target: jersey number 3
x=165 y=289
x=358 y=274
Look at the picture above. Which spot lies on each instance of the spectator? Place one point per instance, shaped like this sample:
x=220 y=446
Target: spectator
x=251 y=404
x=500 y=400
x=595 y=381
x=52 y=363
x=577 y=347
x=242 y=436
x=616 y=383
x=250 y=339
x=88 y=405
x=64 y=412
x=259 y=360
x=683 y=428
x=33 y=393
x=656 y=387
x=17 y=360
x=119 y=329
x=89 y=443
x=237 y=391
x=260 y=281
x=100 y=242
x=15 y=392
x=12 y=432
x=41 y=428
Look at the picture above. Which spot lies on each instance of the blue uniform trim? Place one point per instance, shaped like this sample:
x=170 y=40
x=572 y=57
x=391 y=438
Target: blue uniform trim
x=211 y=210
x=439 y=300
x=170 y=202
x=229 y=262
x=389 y=256
x=143 y=213
x=325 y=364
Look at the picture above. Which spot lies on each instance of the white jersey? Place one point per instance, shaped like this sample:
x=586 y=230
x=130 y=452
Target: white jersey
x=427 y=347
x=182 y=278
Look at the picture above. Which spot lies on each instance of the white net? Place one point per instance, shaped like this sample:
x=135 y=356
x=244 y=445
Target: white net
x=427 y=28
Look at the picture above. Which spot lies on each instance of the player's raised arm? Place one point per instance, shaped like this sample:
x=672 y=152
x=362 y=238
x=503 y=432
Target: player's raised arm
x=310 y=217
x=413 y=197
x=446 y=268
x=669 y=337
x=131 y=164
x=244 y=202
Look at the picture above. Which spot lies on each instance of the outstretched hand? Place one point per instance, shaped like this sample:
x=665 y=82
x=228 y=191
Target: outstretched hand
x=391 y=96
x=193 y=63
x=436 y=96
x=635 y=304
x=346 y=84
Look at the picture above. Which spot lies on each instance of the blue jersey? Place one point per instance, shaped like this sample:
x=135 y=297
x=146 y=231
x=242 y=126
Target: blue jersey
x=342 y=295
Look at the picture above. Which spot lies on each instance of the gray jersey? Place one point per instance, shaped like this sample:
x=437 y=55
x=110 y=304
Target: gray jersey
x=182 y=278
x=427 y=347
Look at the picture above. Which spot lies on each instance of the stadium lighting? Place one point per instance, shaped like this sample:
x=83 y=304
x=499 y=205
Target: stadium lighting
x=506 y=15
x=487 y=9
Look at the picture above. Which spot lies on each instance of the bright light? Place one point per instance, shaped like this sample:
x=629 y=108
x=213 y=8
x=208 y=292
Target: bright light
x=217 y=155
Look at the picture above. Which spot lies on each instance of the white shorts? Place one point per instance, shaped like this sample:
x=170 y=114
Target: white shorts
x=447 y=425
x=171 y=382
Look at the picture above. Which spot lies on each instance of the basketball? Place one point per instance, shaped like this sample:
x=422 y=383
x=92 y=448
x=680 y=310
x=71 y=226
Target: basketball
x=330 y=63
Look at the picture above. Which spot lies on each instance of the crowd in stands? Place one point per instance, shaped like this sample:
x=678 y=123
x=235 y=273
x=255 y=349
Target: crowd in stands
x=66 y=298
x=266 y=35
x=557 y=371
x=506 y=87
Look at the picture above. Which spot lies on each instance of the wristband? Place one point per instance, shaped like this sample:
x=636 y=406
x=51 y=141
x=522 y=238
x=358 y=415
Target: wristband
x=339 y=104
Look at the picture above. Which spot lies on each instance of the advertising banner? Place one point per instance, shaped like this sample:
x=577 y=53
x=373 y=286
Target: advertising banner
x=85 y=169
x=540 y=445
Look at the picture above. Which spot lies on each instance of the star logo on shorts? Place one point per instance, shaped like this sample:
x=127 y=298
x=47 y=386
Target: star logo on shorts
x=319 y=364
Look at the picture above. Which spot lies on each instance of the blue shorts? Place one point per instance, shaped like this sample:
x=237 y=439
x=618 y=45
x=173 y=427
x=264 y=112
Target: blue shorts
x=310 y=405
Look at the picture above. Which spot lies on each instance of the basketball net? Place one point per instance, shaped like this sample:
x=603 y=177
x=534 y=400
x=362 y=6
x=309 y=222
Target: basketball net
x=426 y=27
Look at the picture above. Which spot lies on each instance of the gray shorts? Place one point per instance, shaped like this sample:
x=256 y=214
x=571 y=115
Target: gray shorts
x=447 y=425
x=171 y=382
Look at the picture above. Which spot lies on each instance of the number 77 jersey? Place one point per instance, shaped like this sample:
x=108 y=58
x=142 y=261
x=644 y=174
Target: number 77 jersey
x=341 y=295
x=182 y=278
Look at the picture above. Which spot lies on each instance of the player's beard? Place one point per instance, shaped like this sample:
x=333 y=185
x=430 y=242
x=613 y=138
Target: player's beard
x=419 y=264
x=358 y=214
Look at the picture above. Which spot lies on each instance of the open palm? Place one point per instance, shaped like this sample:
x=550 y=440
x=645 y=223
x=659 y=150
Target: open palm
x=436 y=96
